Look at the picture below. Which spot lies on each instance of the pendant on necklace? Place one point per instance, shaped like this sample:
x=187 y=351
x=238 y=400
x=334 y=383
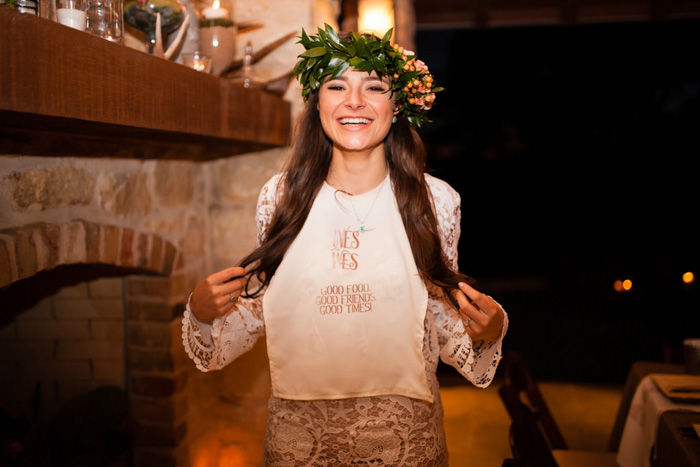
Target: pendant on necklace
x=343 y=190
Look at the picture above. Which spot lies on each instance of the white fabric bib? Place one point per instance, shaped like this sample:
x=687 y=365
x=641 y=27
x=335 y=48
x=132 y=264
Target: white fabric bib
x=344 y=313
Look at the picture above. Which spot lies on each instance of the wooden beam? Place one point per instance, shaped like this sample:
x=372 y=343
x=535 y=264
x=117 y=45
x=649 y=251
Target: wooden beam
x=55 y=78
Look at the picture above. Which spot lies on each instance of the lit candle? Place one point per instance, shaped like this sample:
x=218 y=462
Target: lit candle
x=215 y=12
x=75 y=19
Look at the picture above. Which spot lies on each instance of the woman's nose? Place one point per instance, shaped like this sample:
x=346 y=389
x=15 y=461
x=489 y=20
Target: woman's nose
x=355 y=99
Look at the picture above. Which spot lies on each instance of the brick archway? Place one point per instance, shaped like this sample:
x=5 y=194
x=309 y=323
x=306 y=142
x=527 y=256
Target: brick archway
x=154 y=292
x=32 y=248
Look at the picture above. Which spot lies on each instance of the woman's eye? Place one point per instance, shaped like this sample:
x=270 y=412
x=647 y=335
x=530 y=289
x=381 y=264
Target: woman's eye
x=377 y=88
x=334 y=87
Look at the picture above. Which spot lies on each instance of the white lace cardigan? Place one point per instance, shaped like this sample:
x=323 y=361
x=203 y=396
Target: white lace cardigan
x=212 y=347
x=399 y=431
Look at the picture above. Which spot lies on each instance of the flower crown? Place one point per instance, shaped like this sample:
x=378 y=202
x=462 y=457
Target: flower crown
x=327 y=55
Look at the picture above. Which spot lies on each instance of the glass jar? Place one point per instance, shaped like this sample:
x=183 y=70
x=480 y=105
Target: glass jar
x=105 y=19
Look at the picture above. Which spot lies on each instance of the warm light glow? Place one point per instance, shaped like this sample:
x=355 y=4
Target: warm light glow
x=627 y=284
x=618 y=286
x=375 y=16
x=688 y=277
x=622 y=285
x=216 y=4
x=229 y=447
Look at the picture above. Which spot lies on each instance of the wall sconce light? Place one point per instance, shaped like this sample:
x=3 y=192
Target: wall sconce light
x=375 y=16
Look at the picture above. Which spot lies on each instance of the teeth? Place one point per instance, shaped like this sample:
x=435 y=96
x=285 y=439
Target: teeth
x=355 y=121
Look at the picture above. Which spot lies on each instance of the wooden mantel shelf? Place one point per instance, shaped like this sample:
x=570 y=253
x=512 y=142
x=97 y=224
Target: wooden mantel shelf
x=71 y=89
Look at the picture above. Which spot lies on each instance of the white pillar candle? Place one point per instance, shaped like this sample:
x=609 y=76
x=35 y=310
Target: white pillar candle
x=75 y=19
x=214 y=11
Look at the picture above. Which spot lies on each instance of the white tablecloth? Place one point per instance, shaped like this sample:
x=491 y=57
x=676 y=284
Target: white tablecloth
x=639 y=434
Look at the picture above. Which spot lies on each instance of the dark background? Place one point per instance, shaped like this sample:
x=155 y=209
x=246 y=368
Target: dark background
x=575 y=152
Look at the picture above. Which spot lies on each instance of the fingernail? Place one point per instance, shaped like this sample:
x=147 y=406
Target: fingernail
x=461 y=284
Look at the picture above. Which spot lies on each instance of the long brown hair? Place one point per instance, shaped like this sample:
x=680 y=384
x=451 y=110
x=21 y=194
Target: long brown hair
x=304 y=175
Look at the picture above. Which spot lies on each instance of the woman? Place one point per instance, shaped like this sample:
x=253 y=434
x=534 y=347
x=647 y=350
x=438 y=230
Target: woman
x=355 y=280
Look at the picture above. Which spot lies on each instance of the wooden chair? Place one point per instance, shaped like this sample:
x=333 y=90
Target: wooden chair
x=527 y=443
x=518 y=375
x=530 y=447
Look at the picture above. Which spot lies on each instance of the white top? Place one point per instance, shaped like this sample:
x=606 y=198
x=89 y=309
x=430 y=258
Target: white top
x=344 y=311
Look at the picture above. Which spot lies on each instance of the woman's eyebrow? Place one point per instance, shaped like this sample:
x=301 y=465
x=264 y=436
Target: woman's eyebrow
x=366 y=78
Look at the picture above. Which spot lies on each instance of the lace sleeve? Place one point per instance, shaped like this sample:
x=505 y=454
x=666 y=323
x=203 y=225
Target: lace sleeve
x=456 y=349
x=214 y=346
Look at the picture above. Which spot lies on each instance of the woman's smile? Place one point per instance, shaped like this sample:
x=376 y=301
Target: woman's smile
x=354 y=121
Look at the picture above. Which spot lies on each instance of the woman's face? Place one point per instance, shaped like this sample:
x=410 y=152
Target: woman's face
x=356 y=110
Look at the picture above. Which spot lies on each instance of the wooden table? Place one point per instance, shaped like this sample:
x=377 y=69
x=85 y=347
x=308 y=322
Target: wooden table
x=677 y=442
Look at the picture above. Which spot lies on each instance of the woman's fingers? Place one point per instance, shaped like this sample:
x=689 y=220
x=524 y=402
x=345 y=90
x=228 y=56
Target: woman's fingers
x=216 y=295
x=482 y=302
x=466 y=308
x=223 y=284
x=224 y=276
x=481 y=315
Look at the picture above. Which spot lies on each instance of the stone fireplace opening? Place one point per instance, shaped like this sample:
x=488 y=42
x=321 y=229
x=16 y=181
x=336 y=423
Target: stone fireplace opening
x=62 y=334
x=89 y=321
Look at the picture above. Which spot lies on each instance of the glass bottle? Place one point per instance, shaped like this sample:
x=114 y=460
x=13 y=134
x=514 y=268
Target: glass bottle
x=248 y=77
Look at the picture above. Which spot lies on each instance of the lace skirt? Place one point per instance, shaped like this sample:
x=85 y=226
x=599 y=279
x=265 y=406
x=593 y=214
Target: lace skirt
x=363 y=432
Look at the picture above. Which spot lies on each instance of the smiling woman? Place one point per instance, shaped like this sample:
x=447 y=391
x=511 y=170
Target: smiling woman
x=354 y=281
x=356 y=113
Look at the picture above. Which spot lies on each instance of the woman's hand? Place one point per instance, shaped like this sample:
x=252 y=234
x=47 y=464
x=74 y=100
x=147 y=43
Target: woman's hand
x=483 y=318
x=216 y=295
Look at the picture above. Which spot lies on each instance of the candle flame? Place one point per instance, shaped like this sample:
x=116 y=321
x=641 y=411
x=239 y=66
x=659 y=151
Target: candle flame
x=215 y=5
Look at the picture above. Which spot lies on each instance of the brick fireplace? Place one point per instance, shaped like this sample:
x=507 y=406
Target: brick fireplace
x=97 y=303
